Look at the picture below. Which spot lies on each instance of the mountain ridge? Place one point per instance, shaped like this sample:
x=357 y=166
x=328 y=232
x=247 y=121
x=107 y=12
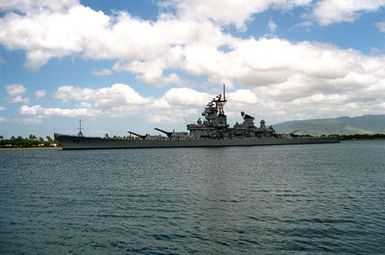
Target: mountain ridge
x=366 y=124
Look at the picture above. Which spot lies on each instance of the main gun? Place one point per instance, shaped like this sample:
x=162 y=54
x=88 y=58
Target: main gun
x=135 y=134
x=169 y=134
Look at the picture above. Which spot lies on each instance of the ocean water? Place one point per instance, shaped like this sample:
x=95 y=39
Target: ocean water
x=303 y=199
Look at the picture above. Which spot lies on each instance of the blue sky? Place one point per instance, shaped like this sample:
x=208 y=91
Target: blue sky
x=139 y=64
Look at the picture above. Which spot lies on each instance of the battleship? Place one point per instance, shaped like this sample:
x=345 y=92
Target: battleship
x=212 y=131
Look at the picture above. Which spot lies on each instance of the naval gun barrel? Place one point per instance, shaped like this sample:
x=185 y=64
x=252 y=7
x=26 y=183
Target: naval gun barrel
x=135 y=134
x=294 y=133
x=169 y=134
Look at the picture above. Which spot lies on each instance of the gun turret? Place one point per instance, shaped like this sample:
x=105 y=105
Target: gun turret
x=169 y=134
x=135 y=134
x=246 y=116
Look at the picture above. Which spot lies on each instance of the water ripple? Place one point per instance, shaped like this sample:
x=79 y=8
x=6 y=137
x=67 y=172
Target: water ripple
x=325 y=199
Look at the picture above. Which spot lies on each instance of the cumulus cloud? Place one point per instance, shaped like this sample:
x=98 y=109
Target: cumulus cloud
x=145 y=48
x=185 y=97
x=51 y=34
x=275 y=75
x=150 y=72
x=381 y=26
x=243 y=97
x=271 y=26
x=272 y=74
x=102 y=72
x=39 y=111
x=19 y=99
x=288 y=100
x=15 y=89
x=28 y=5
x=288 y=70
x=122 y=100
x=115 y=96
x=175 y=106
x=40 y=93
x=327 y=12
x=229 y=11
x=2 y=108
x=15 y=93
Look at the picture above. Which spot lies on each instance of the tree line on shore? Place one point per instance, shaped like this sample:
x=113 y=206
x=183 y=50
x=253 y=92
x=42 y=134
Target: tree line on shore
x=30 y=141
x=362 y=137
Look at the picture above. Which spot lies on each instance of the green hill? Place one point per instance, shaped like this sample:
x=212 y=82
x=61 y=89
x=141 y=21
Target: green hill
x=367 y=124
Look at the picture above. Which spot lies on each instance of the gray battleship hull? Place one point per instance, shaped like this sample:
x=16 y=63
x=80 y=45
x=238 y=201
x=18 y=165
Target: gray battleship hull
x=69 y=142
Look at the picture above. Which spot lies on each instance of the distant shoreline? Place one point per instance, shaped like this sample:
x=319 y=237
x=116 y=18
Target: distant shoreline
x=60 y=148
x=362 y=137
x=29 y=148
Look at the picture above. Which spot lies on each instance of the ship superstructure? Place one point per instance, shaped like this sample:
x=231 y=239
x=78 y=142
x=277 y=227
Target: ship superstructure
x=215 y=126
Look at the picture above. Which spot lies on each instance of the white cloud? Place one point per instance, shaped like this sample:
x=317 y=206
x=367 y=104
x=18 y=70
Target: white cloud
x=266 y=62
x=122 y=100
x=185 y=97
x=40 y=111
x=153 y=46
x=18 y=99
x=51 y=34
x=40 y=93
x=102 y=72
x=29 y=5
x=2 y=108
x=227 y=12
x=15 y=93
x=272 y=74
x=15 y=89
x=178 y=106
x=243 y=97
x=150 y=72
x=332 y=11
x=381 y=26
x=271 y=26
x=114 y=96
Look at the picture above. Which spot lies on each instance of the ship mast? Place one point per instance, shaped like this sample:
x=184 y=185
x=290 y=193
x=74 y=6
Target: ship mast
x=220 y=102
x=80 y=128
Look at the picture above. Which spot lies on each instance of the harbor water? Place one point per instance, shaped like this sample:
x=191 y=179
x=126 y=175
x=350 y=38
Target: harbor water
x=301 y=199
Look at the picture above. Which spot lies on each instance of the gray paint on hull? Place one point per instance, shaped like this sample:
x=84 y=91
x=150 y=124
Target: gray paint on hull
x=84 y=143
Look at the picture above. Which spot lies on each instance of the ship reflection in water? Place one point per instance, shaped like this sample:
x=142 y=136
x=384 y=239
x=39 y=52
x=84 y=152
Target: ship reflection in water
x=213 y=131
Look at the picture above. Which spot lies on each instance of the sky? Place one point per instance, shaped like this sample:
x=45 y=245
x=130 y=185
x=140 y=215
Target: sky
x=138 y=64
